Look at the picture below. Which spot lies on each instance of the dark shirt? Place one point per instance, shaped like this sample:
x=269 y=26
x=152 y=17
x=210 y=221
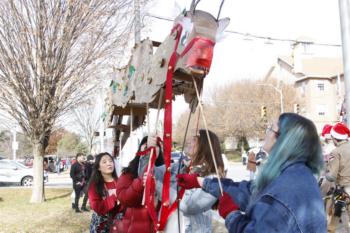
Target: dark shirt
x=77 y=173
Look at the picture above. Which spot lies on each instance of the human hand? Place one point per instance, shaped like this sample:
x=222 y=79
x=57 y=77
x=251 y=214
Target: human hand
x=188 y=181
x=226 y=205
x=152 y=140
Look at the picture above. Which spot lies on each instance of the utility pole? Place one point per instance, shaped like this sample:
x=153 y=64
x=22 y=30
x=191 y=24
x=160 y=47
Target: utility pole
x=279 y=92
x=344 y=12
x=14 y=142
x=137 y=21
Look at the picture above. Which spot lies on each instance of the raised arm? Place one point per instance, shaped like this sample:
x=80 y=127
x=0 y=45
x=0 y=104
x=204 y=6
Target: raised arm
x=129 y=190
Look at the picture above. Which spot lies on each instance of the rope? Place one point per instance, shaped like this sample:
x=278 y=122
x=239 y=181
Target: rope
x=206 y=129
x=222 y=3
x=178 y=169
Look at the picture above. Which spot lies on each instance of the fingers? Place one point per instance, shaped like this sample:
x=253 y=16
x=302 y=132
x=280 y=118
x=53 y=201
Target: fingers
x=152 y=140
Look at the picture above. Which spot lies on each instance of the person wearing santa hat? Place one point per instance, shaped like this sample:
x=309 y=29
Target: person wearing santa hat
x=326 y=141
x=326 y=187
x=338 y=171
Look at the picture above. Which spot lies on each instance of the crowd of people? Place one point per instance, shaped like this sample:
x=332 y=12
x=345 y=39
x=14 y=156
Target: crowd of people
x=300 y=182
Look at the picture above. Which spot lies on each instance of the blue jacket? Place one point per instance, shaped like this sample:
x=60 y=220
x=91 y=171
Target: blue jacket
x=292 y=203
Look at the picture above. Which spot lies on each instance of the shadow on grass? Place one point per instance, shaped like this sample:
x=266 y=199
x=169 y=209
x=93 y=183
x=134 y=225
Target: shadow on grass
x=1 y=199
x=58 y=197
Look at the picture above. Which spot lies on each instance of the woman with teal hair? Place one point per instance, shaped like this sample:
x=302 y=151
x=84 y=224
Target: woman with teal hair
x=285 y=196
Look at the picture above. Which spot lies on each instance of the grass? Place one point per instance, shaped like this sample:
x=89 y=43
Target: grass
x=234 y=156
x=54 y=215
x=17 y=215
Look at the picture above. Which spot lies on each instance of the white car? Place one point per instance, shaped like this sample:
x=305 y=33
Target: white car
x=15 y=172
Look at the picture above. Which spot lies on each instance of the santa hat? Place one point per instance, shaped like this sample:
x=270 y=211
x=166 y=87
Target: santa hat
x=340 y=131
x=326 y=131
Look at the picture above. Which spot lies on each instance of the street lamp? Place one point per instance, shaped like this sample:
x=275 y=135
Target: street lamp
x=279 y=92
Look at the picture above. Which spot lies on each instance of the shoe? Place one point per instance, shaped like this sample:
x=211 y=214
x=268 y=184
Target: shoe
x=73 y=206
x=85 y=209
x=77 y=210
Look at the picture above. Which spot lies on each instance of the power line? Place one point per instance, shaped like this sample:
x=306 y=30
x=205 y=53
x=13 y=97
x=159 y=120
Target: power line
x=249 y=35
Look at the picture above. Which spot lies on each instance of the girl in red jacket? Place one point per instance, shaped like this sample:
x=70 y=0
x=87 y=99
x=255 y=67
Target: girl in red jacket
x=102 y=194
x=130 y=192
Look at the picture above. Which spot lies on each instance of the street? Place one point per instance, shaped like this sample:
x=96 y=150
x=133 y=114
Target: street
x=236 y=171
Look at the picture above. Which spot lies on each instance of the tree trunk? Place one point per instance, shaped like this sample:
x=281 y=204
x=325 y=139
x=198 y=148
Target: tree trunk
x=38 y=187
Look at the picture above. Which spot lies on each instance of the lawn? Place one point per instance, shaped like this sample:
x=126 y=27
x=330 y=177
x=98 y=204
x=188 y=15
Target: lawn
x=54 y=215
x=17 y=215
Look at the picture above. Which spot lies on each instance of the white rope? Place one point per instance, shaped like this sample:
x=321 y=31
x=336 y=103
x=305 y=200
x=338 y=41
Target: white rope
x=206 y=129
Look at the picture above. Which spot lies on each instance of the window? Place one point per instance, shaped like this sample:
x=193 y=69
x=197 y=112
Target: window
x=320 y=86
x=321 y=110
x=5 y=165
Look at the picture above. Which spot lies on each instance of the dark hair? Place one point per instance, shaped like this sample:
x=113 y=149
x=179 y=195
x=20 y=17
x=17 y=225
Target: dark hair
x=97 y=177
x=203 y=154
x=78 y=155
x=133 y=166
x=89 y=157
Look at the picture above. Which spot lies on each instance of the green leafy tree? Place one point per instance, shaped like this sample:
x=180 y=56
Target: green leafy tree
x=70 y=144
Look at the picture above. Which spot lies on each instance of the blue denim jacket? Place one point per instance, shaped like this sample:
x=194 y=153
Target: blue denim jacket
x=195 y=205
x=292 y=203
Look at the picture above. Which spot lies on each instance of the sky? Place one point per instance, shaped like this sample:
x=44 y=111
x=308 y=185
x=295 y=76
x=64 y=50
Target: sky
x=237 y=58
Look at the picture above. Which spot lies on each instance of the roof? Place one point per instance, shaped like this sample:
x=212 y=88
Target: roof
x=322 y=67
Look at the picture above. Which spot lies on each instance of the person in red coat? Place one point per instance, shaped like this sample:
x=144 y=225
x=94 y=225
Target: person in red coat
x=130 y=190
x=102 y=194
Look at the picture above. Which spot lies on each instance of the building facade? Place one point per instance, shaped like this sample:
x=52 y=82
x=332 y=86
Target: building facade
x=319 y=83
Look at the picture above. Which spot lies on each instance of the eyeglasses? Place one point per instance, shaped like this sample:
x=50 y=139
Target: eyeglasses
x=272 y=130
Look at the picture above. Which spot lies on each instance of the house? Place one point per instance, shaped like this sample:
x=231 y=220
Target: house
x=319 y=82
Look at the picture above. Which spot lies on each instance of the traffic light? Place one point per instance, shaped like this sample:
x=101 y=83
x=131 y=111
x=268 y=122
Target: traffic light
x=296 y=108
x=263 y=112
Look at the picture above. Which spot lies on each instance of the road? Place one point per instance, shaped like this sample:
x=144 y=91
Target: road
x=236 y=172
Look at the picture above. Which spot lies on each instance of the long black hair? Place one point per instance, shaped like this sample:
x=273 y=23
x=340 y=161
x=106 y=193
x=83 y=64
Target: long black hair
x=97 y=177
x=133 y=166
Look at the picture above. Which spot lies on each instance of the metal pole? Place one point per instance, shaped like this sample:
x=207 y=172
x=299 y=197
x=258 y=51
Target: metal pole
x=279 y=92
x=137 y=21
x=345 y=35
x=14 y=143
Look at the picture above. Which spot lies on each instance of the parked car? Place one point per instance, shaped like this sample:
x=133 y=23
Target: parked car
x=15 y=172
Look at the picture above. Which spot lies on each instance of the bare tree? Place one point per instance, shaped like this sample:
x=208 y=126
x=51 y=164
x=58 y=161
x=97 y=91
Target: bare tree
x=51 y=55
x=238 y=107
x=234 y=110
x=86 y=120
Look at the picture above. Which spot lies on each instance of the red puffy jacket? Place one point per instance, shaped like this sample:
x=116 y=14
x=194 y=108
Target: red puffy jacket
x=136 y=218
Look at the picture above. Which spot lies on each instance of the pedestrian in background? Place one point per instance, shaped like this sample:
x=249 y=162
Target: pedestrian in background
x=90 y=160
x=58 y=165
x=338 y=171
x=77 y=173
x=285 y=196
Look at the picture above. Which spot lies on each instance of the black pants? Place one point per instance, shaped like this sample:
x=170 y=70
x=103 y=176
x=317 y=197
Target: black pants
x=85 y=190
x=77 y=189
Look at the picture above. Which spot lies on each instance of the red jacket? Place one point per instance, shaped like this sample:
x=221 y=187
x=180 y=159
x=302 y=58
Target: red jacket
x=100 y=205
x=106 y=207
x=136 y=218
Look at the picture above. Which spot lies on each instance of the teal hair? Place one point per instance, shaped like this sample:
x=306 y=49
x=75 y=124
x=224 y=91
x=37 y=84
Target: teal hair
x=298 y=141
